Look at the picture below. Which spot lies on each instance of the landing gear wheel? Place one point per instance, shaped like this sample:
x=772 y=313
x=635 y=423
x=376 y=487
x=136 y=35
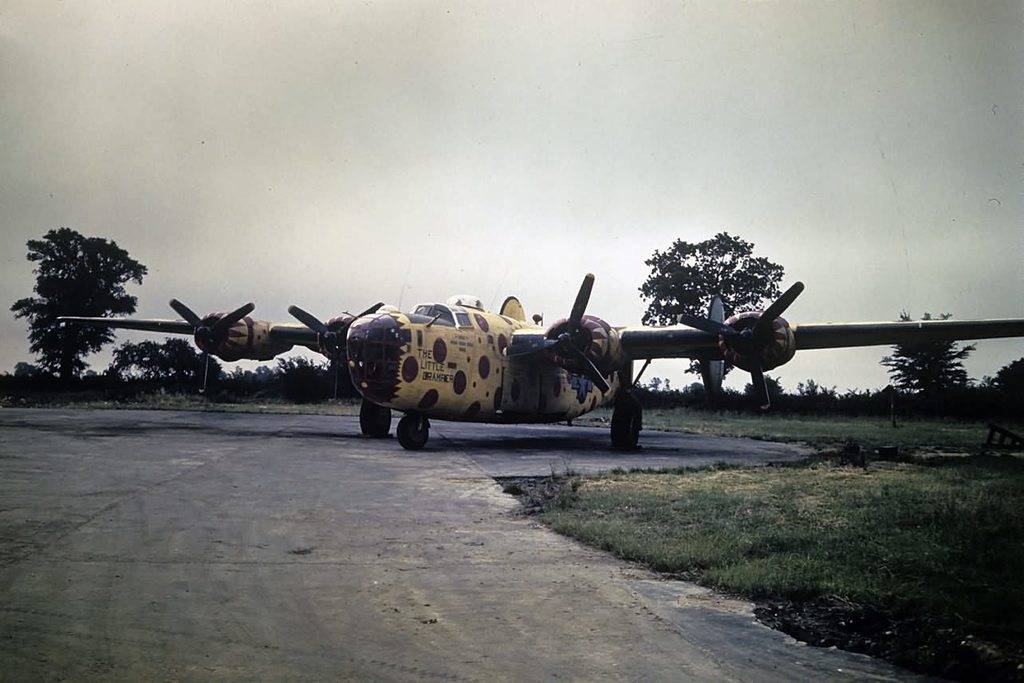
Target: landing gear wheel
x=374 y=420
x=413 y=431
x=627 y=419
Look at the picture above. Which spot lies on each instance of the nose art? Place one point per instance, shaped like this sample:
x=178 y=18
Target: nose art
x=375 y=346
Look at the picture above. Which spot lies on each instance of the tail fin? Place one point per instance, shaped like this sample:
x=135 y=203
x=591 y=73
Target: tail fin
x=513 y=309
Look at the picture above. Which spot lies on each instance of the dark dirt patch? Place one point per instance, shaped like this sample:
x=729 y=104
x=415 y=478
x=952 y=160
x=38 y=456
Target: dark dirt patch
x=924 y=644
x=302 y=551
x=537 y=494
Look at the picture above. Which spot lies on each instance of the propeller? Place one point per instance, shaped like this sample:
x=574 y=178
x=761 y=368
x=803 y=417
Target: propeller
x=573 y=340
x=750 y=342
x=209 y=336
x=332 y=341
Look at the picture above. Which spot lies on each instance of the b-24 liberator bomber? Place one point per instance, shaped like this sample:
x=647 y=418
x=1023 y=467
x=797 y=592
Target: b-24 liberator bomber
x=459 y=361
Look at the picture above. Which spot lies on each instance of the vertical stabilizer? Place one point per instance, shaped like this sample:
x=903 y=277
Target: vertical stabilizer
x=513 y=309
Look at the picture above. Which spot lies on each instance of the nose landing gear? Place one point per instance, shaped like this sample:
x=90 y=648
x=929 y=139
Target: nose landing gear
x=374 y=420
x=413 y=431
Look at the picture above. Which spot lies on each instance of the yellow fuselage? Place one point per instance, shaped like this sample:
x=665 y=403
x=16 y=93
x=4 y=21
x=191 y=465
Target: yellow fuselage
x=462 y=372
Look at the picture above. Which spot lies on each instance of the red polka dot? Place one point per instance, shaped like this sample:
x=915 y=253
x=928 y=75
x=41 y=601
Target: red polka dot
x=410 y=368
x=502 y=343
x=440 y=350
x=459 y=383
x=481 y=322
x=484 y=367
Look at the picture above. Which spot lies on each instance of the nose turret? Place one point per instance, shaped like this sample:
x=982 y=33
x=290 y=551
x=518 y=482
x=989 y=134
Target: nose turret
x=375 y=348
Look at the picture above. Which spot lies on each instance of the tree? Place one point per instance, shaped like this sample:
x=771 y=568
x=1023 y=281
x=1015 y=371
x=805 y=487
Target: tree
x=173 y=361
x=24 y=369
x=1010 y=378
x=688 y=275
x=302 y=380
x=685 y=277
x=927 y=368
x=75 y=275
x=775 y=389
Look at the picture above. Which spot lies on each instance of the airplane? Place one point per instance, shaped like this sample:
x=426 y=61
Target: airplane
x=458 y=361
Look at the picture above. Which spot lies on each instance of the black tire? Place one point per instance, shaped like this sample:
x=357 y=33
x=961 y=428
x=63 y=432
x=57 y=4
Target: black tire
x=627 y=420
x=413 y=431
x=374 y=420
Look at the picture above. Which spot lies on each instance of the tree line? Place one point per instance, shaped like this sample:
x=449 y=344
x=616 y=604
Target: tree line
x=87 y=276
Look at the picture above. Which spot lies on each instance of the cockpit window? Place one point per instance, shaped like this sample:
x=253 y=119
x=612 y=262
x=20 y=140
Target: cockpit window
x=463 y=319
x=442 y=313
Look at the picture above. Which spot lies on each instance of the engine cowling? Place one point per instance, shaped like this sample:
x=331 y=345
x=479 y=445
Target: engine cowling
x=247 y=339
x=596 y=337
x=779 y=351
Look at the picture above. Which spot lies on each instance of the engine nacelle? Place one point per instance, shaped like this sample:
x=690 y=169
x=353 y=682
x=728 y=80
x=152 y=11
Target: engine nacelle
x=603 y=347
x=780 y=351
x=248 y=339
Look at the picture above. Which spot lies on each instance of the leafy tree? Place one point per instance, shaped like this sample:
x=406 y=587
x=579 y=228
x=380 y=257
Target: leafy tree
x=812 y=389
x=303 y=380
x=75 y=275
x=775 y=389
x=173 y=361
x=685 y=277
x=24 y=369
x=928 y=368
x=1010 y=378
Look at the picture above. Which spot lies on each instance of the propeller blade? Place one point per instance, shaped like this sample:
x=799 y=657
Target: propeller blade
x=587 y=367
x=763 y=327
x=579 y=307
x=222 y=326
x=371 y=309
x=185 y=312
x=334 y=373
x=760 y=386
x=706 y=324
x=206 y=370
x=309 y=320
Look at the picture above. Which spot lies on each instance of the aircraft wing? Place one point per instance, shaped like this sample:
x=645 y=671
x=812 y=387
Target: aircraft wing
x=146 y=324
x=294 y=333
x=289 y=333
x=680 y=341
x=840 y=335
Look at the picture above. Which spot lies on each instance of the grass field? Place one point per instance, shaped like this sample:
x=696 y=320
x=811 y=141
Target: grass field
x=825 y=430
x=941 y=543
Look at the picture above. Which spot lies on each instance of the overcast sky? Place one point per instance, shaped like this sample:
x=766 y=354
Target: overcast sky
x=336 y=154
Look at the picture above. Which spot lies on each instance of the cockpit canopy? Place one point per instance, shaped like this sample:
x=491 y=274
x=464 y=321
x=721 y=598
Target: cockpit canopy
x=465 y=301
x=452 y=314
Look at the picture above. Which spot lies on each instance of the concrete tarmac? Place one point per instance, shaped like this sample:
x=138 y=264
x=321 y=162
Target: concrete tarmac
x=185 y=545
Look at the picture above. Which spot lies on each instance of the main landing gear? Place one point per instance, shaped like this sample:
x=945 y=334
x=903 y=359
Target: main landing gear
x=627 y=420
x=374 y=420
x=413 y=431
